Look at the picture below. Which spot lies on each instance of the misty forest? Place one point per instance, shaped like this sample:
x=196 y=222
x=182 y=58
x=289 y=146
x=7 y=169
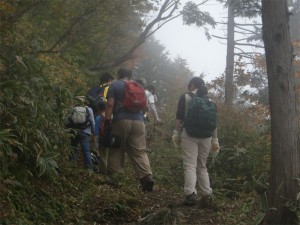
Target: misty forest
x=54 y=50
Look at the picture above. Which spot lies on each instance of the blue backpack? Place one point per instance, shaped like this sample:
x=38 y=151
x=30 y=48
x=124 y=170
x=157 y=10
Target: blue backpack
x=201 y=116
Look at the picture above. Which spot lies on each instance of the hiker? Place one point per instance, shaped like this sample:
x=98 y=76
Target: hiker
x=99 y=124
x=99 y=92
x=105 y=82
x=81 y=136
x=99 y=136
x=150 y=92
x=195 y=149
x=127 y=123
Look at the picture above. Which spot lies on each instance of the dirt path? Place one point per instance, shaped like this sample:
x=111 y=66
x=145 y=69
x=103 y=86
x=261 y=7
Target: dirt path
x=167 y=208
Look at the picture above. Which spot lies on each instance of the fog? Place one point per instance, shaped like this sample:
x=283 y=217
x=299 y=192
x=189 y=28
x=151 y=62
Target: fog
x=190 y=42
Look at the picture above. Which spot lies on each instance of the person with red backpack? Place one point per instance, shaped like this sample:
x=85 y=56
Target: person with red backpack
x=126 y=100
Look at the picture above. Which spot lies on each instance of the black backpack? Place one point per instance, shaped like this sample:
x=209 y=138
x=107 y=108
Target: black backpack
x=93 y=92
x=201 y=116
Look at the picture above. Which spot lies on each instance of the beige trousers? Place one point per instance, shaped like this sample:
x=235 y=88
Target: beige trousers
x=133 y=143
x=195 y=153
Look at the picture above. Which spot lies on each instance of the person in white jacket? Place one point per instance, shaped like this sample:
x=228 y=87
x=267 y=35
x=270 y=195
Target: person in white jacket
x=150 y=91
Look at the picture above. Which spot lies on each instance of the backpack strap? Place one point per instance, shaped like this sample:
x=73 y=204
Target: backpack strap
x=188 y=96
x=102 y=92
x=88 y=118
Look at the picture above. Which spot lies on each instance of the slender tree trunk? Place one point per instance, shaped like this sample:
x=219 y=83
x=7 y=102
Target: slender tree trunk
x=229 y=89
x=285 y=155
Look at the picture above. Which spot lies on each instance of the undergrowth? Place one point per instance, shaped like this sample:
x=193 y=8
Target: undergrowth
x=76 y=197
x=31 y=194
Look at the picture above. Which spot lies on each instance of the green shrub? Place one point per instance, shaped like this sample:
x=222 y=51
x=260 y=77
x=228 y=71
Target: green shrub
x=244 y=157
x=31 y=110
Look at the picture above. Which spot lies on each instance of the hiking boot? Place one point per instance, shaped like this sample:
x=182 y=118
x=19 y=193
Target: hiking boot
x=208 y=202
x=147 y=183
x=190 y=199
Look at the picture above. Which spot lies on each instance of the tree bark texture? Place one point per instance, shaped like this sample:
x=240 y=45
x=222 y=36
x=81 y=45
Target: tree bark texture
x=295 y=35
x=285 y=153
x=229 y=89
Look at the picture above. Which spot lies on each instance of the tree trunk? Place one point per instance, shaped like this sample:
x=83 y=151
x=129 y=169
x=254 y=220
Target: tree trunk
x=295 y=36
x=229 y=90
x=285 y=154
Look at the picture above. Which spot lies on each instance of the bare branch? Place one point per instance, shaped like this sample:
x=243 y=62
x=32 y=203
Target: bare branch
x=239 y=49
x=248 y=24
x=245 y=56
x=242 y=39
x=143 y=36
x=250 y=31
x=251 y=45
x=222 y=23
x=174 y=17
x=244 y=33
x=219 y=37
x=160 y=25
x=248 y=53
x=168 y=6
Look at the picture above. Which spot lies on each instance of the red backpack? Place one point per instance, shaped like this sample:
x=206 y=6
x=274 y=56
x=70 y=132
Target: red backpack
x=135 y=97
